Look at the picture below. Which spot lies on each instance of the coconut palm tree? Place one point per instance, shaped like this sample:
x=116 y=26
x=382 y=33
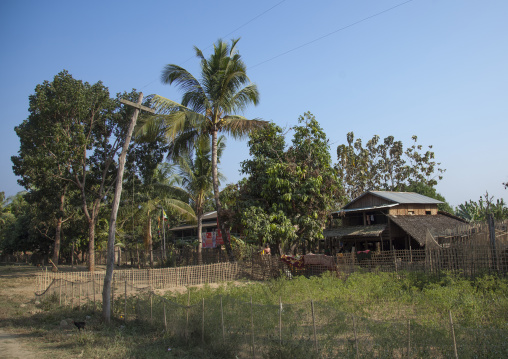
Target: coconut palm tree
x=209 y=105
x=162 y=192
x=195 y=172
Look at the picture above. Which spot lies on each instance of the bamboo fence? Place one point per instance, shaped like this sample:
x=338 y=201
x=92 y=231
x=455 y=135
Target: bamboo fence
x=288 y=329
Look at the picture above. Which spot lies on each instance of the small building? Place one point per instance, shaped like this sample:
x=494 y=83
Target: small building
x=190 y=231
x=383 y=220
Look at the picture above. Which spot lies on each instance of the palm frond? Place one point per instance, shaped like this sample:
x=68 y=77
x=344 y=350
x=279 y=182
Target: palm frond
x=166 y=106
x=239 y=126
x=181 y=208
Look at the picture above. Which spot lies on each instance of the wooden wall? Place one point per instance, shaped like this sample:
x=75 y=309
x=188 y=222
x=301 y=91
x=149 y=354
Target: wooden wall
x=417 y=209
x=369 y=201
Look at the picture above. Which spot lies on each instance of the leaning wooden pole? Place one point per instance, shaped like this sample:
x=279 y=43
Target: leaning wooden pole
x=106 y=304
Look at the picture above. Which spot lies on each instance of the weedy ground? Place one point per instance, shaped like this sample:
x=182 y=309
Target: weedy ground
x=373 y=298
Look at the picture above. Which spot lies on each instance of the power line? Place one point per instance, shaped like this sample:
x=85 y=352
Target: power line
x=248 y=22
x=241 y=26
x=235 y=30
x=332 y=33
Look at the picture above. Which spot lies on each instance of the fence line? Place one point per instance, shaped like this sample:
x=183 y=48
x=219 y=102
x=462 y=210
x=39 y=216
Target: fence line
x=161 y=278
x=467 y=259
x=287 y=328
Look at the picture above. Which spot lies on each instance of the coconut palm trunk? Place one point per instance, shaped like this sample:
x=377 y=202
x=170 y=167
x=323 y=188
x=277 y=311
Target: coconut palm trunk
x=216 y=194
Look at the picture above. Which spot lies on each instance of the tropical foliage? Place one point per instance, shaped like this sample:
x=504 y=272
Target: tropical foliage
x=478 y=211
x=210 y=105
x=288 y=194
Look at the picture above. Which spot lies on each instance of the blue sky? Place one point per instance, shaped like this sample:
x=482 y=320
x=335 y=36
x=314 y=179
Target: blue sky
x=432 y=68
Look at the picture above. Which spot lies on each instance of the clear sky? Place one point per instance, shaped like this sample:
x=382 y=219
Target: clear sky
x=437 y=69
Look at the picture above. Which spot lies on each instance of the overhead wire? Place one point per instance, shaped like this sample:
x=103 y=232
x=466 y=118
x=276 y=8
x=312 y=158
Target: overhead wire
x=231 y=32
x=332 y=33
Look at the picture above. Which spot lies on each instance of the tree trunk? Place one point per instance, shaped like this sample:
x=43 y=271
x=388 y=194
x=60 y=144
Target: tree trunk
x=91 y=244
x=58 y=232
x=106 y=292
x=215 y=180
x=56 y=248
x=200 y=237
x=149 y=239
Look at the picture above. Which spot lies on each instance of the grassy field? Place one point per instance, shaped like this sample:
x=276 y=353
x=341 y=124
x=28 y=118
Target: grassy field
x=363 y=315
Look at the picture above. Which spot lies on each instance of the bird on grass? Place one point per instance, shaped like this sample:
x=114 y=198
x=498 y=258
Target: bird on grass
x=79 y=325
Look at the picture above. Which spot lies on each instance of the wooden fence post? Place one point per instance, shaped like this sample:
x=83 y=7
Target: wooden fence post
x=356 y=336
x=203 y=323
x=125 y=304
x=453 y=336
x=409 y=338
x=93 y=289
x=222 y=320
x=280 y=321
x=165 y=321
x=314 y=326
x=187 y=310
x=252 y=328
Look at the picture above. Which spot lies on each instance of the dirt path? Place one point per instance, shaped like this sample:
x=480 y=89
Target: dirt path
x=11 y=347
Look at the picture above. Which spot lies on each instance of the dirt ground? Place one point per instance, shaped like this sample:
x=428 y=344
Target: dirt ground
x=16 y=300
x=18 y=339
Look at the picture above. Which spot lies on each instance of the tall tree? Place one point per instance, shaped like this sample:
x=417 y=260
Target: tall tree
x=81 y=132
x=384 y=165
x=210 y=105
x=196 y=174
x=286 y=198
x=45 y=139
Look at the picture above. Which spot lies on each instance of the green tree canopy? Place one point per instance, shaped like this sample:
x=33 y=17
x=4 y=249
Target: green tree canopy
x=288 y=193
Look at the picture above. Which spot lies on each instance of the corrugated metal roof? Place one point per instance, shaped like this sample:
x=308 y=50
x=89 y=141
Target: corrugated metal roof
x=406 y=197
x=209 y=215
x=190 y=226
x=365 y=208
x=357 y=231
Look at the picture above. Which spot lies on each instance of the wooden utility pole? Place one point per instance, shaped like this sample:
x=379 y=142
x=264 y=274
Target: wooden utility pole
x=106 y=294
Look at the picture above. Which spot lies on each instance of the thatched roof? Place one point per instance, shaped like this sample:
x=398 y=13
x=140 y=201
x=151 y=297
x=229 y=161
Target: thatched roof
x=358 y=231
x=417 y=226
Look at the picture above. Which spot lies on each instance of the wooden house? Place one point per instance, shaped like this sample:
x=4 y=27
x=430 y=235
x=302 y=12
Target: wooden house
x=382 y=220
x=190 y=231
